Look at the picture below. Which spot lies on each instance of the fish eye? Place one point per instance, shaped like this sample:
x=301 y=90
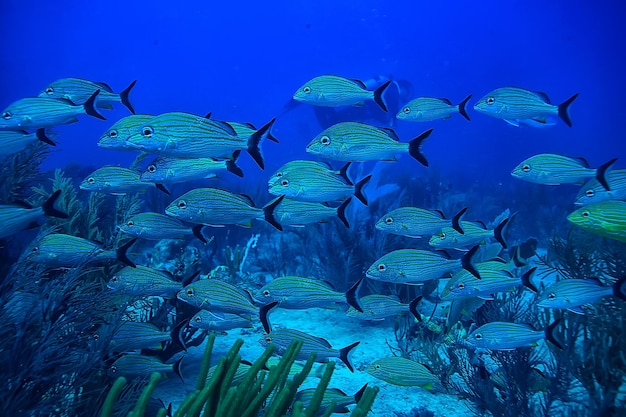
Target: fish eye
x=266 y=293
x=284 y=183
x=325 y=140
x=268 y=339
x=461 y=286
x=589 y=193
x=478 y=336
x=442 y=236
x=406 y=110
x=198 y=319
x=279 y=174
x=526 y=168
x=6 y=115
x=306 y=90
x=96 y=336
x=113 y=369
x=36 y=248
x=91 y=180
x=114 y=280
x=377 y=366
x=389 y=220
x=182 y=204
x=551 y=296
x=586 y=214
x=113 y=133
x=49 y=90
x=382 y=267
x=130 y=223
x=190 y=292
x=147 y=131
x=491 y=100
x=152 y=168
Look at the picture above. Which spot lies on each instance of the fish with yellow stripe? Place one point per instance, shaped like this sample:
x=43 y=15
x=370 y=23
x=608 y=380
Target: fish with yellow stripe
x=117 y=135
x=416 y=222
x=404 y=372
x=518 y=106
x=426 y=109
x=218 y=296
x=473 y=233
x=335 y=91
x=17 y=217
x=117 y=181
x=14 y=141
x=571 y=294
x=142 y=281
x=168 y=170
x=594 y=192
x=309 y=168
x=500 y=335
x=157 y=226
x=299 y=213
x=605 y=218
x=295 y=292
x=78 y=90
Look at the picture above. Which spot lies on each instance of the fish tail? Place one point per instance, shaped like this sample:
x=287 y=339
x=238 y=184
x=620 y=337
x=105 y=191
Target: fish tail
x=90 y=106
x=619 y=288
x=357 y=396
x=231 y=164
x=264 y=313
x=498 y=232
x=197 y=232
x=268 y=212
x=550 y=334
x=518 y=259
x=358 y=189
x=254 y=143
x=162 y=188
x=341 y=212
x=456 y=221
x=48 y=206
x=413 y=308
x=125 y=99
x=378 y=95
x=121 y=253
x=344 y=355
x=601 y=173
x=41 y=135
x=175 y=334
x=527 y=282
x=462 y=109
x=468 y=263
x=352 y=296
x=343 y=173
x=176 y=368
x=563 y=107
x=415 y=147
x=268 y=129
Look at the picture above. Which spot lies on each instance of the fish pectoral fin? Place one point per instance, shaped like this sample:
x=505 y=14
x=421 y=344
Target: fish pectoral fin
x=247 y=224
x=576 y=310
x=512 y=122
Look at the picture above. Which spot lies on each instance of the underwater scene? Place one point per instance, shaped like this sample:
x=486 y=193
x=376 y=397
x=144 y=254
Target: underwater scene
x=299 y=208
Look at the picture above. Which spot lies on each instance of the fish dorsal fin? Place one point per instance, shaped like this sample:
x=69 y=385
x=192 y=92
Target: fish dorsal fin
x=582 y=160
x=444 y=253
x=445 y=100
x=247 y=198
x=596 y=281
x=337 y=391
x=392 y=133
x=226 y=126
x=323 y=341
x=249 y=125
x=359 y=83
x=22 y=204
x=543 y=96
x=481 y=224
x=106 y=87
x=508 y=273
x=64 y=100
x=328 y=284
x=439 y=212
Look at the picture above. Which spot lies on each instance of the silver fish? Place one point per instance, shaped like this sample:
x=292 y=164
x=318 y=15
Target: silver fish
x=12 y=142
x=464 y=285
x=404 y=372
x=334 y=91
x=426 y=109
x=473 y=233
x=15 y=218
x=41 y=112
x=359 y=142
x=332 y=396
x=515 y=104
x=416 y=222
x=571 y=294
x=594 y=192
x=293 y=292
x=299 y=213
x=312 y=169
x=142 y=281
x=167 y=170
x=155 y=226
x=117 y=181
x=116 y=137
x=217 y=296
x=132 y=335
x=499 y=335
x=378 y=307
x=209 y=321
x=78 y=90
x=323 y=188
x=135 y=365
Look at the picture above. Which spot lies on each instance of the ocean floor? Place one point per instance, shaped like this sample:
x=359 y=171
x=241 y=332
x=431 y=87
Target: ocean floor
x=340 y=331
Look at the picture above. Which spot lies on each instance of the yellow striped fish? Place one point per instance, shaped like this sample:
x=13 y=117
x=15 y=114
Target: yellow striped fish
x=117 y=181
x=248 y=129
x=282 y=338
x=299 y=213
x=302 y=186
x=217 y=296
x=334 y=91
x=58 y=250
x=571 y=294
x=517 y=106
x=165 y=169
x=15 y=218
x=379 y=307
x=359 y=142
x=473 y=233
x=142 y=281
x=15 y=141
x=415 y=266
x=555 y=169
x=185 y=135
x=606 y=218
x=594 y=192
x=156 y=226
x=215 y=207
x=334 y=397
x=135 y=365
x=209 y=321
x=500 y=335
x=404 y=372
x=416 y=222
x=78 y=90
x=134 y=335
x=117 y=135
x=311 y=168
x=426 y=109
x=464 y=285
x=294 y=292
x=42 y=112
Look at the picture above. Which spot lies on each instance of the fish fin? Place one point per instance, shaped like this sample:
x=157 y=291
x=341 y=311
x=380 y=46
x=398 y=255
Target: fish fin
x=445 y=100
x=563 y=109
x=197 y=232
x=343 y=173
x=90 y=108
x=268 y=129
x=264 y=312
x=250 y=125
x=357 y=396
x=489 y=297
x=268 y=212
x=378 y=95
x=413 y=308
x=601 y=173
x=550 y=333
x=392 y=133
x=344 y=355
x=125 y=97
x=105 y=106
x=359 y=82
x=254 y=143
x=456 y=221
x=121 y=253
x=619 y=288
x=41 y=135
x=576 y=310
x=512 y=122
x=527 y=282
x=104 y=86
x=353 y=298
x=176 y=368
x=415 y=146
x=498 y=232
x=467 y=261
x=443 y=216
x=462 y=109
x=231 y=164
x=48 y=206
x=358 y=189
x=543 y=96
x=341 y=212
x=162 y=188
x=70 y=121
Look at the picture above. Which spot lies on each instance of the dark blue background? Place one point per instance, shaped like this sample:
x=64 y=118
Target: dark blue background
x=243 y=61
